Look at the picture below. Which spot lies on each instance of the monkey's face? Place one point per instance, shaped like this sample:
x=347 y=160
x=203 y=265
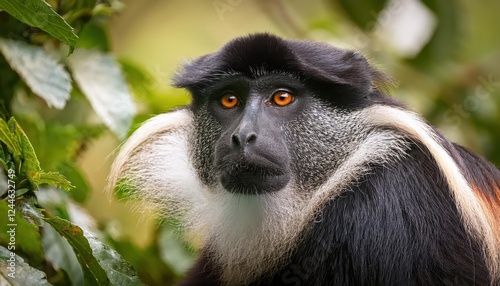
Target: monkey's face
x=257 y=134
x=251 y=154
x=270 y=113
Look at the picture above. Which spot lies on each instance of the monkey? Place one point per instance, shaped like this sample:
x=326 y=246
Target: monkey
x=293 y=165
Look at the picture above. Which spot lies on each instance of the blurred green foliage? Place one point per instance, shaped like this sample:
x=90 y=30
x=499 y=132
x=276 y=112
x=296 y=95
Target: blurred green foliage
x=80 y=76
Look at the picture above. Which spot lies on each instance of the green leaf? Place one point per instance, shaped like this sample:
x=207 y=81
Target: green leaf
x=38 y=13
x=3 y=158
x=100 y=78
x=56 y=144
x=93 y=273
x=365 y=14
x=119 y=271
x=53 y=179
x=7 y=138
x=61 y=255
x=42 y=73
x=27 y=238
x=30 y=166
x=24 y=274
x=3 y=165
x=18 y=143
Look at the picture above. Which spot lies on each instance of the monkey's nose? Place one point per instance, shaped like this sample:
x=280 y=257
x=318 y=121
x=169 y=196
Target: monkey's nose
x=243 y=138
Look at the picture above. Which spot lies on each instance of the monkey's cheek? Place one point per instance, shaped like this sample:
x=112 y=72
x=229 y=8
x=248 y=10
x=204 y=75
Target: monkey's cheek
x=252 y=184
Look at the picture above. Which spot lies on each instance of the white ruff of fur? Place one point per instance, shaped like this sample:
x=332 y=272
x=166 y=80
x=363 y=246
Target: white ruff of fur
x=469 y=205
x=250 y=235
x=155 y=163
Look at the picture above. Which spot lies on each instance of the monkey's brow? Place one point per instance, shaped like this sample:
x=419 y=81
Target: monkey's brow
x=226 y=73
x=255 y=73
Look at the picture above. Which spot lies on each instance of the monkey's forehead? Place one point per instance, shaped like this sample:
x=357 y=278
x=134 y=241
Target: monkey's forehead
x=259 y=54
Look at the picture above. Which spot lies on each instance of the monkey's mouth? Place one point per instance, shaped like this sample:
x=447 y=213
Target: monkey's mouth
x=253 y=170
x=247 y=178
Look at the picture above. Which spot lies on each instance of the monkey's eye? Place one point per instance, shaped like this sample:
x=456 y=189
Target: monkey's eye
x=282 y=98
x=229 y=100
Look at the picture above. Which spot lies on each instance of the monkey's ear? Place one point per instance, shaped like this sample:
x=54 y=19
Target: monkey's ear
x=259 y=54
x=197 y=73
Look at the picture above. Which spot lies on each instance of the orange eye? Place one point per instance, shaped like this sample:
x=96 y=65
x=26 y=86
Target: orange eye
x=282 y=98
x=229 y=100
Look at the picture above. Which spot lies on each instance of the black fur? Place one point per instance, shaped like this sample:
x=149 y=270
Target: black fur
x=313 y=61
x=202 y=273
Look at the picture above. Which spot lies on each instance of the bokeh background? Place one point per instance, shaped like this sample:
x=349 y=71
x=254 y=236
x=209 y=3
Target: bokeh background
x=444 y=56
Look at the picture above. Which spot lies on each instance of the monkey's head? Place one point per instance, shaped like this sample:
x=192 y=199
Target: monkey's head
x=270 y=122
x=269 y=112
x=274 y=127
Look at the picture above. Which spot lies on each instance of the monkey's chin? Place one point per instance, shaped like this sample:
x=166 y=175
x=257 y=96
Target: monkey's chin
x=254 y=184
